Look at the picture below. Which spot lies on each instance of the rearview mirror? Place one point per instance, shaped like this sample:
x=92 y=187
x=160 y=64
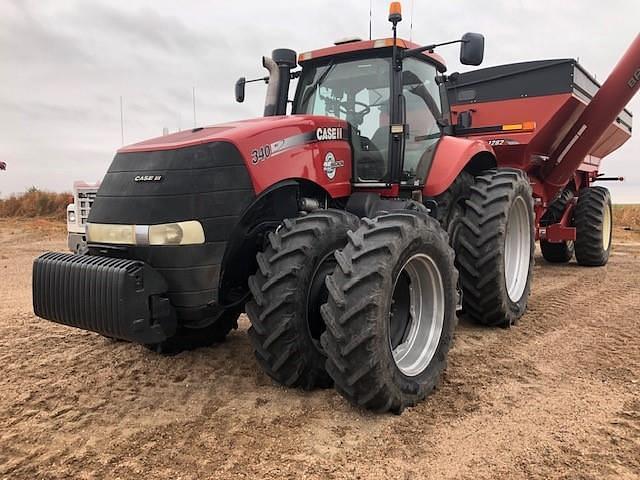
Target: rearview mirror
x=240 y=89
x=472 y=49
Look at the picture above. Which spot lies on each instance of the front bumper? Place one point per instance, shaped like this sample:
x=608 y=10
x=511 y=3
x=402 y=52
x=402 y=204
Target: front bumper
x=115 y=297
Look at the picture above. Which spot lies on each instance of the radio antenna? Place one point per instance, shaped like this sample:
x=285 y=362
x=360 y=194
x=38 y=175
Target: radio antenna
x=370 y=3
x=194 y=107
x=121 y=122
x=411 y=21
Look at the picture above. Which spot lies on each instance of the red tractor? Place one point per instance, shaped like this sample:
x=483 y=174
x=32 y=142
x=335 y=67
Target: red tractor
x=353 y=229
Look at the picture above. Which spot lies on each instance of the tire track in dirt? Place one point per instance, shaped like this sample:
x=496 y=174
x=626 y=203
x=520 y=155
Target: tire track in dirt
x=551 y=397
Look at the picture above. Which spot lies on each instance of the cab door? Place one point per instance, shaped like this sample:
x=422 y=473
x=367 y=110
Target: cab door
x=422 y=114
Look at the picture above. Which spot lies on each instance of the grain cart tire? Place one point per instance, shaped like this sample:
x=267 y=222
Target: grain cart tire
x=593 y=220
x=561 y=252
x=391 y=311
x=187 y=338
x=496 y=246
x=451 y=205
x=288 y=290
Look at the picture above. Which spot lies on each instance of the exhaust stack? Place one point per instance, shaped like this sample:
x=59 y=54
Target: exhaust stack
x=279 y=65
x=616 y=92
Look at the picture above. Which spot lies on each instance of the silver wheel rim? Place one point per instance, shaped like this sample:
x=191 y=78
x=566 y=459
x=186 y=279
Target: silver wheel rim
x=606 y=228
x=517 y=250
x=426 y=315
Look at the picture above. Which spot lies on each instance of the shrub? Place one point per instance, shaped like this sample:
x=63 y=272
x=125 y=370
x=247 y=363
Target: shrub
x=36 y=203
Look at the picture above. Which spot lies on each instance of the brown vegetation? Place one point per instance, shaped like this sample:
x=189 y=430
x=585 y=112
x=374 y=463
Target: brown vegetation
x=627 y=216
x=36 y=203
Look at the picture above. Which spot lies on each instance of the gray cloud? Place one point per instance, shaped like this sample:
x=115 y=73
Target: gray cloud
x=64 y=65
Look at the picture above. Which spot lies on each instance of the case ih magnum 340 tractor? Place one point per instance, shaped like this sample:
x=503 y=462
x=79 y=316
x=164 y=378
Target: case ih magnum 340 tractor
x=353 y=229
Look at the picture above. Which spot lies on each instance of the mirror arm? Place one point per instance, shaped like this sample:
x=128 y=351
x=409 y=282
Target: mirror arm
x=266 y=79
x=414 y=51
x=261 y=79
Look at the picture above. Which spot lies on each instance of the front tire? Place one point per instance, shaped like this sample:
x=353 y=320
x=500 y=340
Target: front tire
x=288 y=289
x=593 y=220
x=191 y=338
x=391 y=311
x=496 y=247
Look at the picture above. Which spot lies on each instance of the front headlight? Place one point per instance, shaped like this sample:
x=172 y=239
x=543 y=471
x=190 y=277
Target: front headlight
x=110 y=233
x=179 y=233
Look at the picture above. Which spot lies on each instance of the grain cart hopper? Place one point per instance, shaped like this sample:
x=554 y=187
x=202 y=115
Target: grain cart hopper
x=340 y=226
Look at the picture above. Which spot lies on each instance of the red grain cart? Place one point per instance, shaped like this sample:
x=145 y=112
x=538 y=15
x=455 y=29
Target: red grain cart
x=554 y=97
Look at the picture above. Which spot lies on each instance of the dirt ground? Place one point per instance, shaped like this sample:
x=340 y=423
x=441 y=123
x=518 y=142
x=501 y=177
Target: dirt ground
x=557 y=396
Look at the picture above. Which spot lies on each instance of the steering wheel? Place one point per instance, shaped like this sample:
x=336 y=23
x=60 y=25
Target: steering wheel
x=359 y=115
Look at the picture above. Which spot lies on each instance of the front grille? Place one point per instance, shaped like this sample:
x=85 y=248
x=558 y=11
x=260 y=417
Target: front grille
x=209 y=183
x=84 y=202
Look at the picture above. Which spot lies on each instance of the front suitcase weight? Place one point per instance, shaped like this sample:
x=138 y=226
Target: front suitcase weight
x=119 y=298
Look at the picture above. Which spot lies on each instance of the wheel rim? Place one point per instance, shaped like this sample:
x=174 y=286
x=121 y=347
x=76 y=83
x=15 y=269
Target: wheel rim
x=517 y=250
x=417 y=315
x=606 y=228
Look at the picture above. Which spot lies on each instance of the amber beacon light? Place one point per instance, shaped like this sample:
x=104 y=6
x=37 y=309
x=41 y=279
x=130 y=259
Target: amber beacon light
x=395 y=12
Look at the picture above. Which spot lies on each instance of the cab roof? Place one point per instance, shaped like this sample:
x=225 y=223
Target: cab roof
x=362 y=45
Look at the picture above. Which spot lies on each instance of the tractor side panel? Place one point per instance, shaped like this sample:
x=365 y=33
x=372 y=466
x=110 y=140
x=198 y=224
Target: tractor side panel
x=451 y=157
x=327 y=164
x=317 y=150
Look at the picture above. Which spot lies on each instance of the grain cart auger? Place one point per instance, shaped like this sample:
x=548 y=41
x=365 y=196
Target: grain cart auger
x=334 y=224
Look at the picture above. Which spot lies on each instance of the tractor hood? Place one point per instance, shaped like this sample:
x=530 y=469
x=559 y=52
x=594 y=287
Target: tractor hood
x=273 y=148
x=277 y=133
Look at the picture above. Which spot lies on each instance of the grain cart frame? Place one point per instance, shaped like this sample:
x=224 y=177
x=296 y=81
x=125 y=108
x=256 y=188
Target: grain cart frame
x=335 y=227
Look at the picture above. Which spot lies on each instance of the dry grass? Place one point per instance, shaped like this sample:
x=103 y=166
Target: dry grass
x=36 y=203
x=627 y=216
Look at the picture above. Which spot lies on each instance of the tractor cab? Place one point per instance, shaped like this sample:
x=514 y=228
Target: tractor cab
x=390 y=92
x=356 y=86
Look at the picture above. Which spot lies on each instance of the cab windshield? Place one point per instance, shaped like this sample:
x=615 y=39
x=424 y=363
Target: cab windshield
x=358 y=91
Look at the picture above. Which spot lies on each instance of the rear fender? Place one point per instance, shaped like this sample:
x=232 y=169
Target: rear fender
x=454 y=155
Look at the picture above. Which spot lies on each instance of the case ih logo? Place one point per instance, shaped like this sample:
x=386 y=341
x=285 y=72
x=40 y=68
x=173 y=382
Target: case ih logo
x=329 y=133
x=330 y=165
x=635 y=79
x=147 y=178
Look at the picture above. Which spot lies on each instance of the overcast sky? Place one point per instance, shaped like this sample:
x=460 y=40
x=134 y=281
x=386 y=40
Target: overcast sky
x=64 y=65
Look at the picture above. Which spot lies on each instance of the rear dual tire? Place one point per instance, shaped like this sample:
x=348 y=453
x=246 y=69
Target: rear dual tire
x=451 y=205
x=390 y=314
x=495 y=247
